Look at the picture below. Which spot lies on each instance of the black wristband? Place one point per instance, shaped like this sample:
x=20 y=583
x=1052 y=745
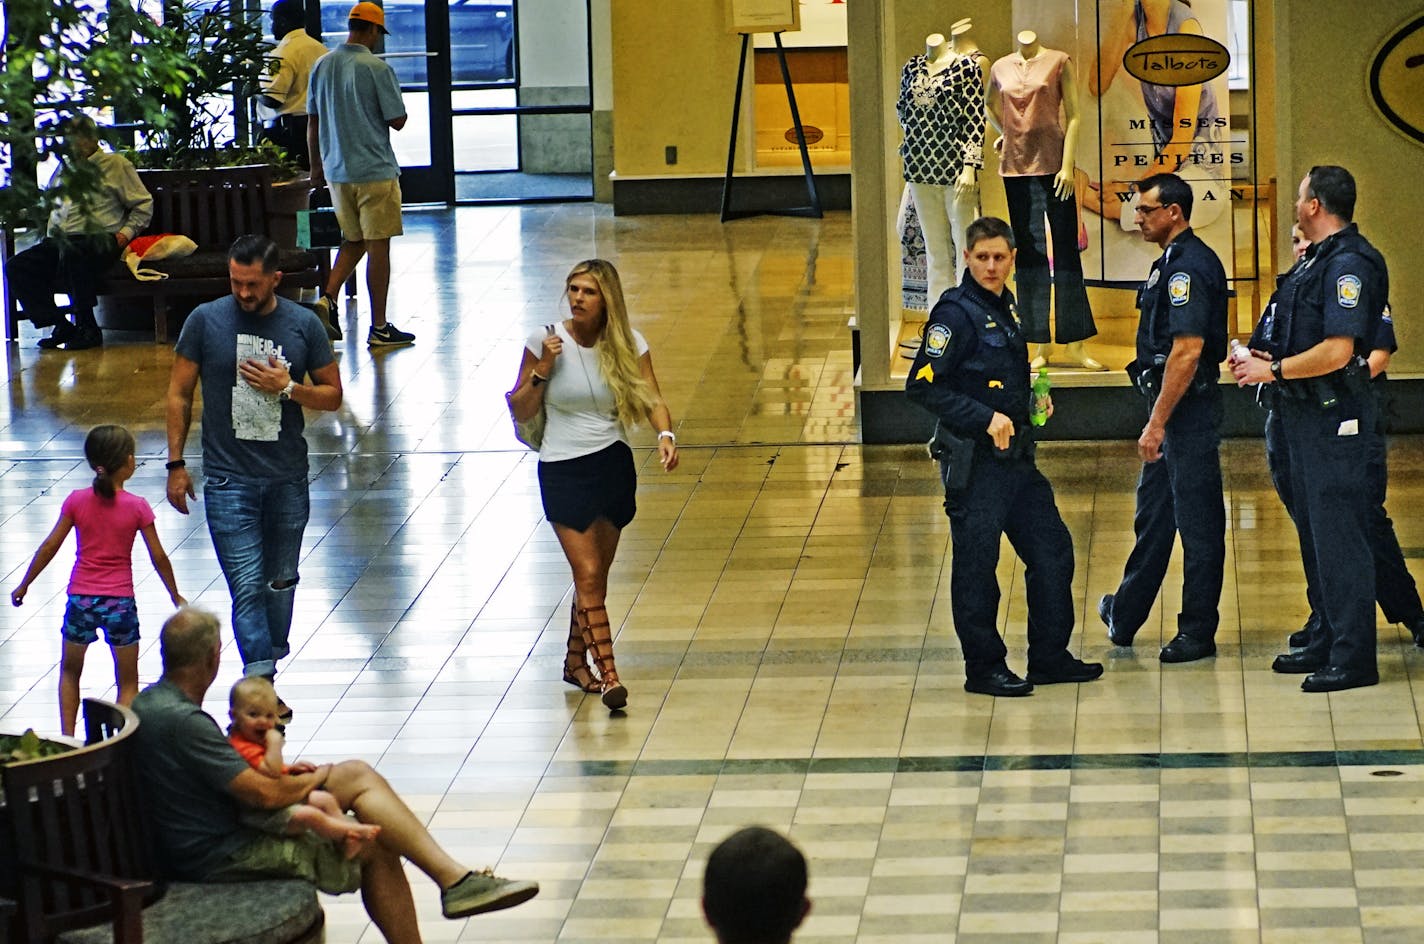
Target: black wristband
x=175 y=464
x=1276 y=368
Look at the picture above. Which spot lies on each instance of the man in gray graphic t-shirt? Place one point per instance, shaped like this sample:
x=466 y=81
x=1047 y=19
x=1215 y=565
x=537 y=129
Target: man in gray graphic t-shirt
x=253 y=351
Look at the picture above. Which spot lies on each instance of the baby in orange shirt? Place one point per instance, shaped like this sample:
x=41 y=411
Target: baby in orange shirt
x=252 y=706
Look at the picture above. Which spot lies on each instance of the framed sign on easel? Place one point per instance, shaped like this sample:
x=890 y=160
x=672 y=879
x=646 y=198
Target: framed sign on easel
x=746 y=17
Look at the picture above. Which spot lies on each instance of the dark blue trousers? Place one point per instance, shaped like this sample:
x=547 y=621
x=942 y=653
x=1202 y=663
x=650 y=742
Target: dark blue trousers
x=1008 y=498
x=1031 y=201
x=1328 y=481
x=1395 y=590
x=1179 y=494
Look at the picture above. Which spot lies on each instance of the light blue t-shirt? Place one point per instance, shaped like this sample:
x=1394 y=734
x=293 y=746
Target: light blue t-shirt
x=355 y=95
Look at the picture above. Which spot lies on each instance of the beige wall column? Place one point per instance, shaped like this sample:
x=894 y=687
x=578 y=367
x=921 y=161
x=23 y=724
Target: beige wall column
x=1323 y=56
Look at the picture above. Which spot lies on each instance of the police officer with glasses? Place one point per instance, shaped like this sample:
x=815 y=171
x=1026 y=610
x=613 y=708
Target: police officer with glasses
x=1324 y=320
x=1181 y=341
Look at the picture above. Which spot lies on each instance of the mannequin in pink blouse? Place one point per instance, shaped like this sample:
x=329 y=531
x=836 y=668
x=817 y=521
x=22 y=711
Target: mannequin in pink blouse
x=1033 y=102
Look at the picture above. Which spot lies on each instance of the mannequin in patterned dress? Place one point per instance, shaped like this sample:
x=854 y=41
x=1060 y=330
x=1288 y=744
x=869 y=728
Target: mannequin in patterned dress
x=941 y=110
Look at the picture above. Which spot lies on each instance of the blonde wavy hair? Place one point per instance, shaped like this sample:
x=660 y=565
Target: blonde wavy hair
x=616 y=349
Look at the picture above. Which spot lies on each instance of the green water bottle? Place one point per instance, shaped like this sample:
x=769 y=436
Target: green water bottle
x=1038 y=415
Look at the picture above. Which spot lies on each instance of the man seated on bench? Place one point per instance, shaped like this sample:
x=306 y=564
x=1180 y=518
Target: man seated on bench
x=82 y=243
x=190 y=775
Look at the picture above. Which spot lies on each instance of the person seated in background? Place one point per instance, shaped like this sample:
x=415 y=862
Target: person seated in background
x=754 y=889
x=84 y=239
x=195 y=785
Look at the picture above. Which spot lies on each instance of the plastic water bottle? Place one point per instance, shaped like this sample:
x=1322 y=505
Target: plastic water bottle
x=1239 y=352
x=1038 y=415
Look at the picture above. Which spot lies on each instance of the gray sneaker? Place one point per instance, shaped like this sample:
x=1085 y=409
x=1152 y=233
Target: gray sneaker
x=483 y=891
x=329 y=311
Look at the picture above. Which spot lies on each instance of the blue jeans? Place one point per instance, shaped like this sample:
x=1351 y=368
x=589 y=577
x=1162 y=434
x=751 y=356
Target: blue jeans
x=257 y=532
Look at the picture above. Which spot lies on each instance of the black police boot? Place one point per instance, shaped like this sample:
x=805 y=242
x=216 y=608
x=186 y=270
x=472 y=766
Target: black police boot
x=1115 y=636
x=1416 y=629
x=63 y=333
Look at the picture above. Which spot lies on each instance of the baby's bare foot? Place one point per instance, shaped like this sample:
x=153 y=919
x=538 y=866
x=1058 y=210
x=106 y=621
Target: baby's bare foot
x=356 y=838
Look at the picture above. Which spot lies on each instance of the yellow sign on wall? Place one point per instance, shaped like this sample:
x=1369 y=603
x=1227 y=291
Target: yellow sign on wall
x=1397 y=79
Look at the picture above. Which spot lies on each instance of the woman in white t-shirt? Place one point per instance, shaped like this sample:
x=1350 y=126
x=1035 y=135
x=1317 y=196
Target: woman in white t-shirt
x=594 y=376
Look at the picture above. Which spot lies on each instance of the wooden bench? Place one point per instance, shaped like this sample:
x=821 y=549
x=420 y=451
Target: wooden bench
x=86 y=872
x=212 y=207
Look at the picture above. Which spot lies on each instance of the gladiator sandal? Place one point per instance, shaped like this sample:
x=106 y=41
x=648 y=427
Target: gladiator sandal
x=598 y=641
x=576 y=668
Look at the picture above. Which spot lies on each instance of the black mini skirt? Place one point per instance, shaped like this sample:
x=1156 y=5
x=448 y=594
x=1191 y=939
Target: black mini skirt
x=577 y=492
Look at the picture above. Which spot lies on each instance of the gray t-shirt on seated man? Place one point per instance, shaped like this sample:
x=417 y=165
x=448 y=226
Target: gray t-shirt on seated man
x=184 y=766
x=249 y=435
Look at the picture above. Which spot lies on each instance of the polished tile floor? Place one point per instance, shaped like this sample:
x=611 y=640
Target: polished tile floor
x=784 y=629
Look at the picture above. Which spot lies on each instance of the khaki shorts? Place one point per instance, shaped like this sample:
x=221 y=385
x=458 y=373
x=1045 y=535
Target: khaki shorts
x=316 y=860
x=368 y=211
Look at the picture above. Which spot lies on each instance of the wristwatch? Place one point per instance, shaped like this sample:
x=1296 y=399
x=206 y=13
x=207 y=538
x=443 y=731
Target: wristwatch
x=1276 y=370
x=286 y=392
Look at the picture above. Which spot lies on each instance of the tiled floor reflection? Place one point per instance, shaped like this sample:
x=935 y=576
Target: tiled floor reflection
x=784 y=630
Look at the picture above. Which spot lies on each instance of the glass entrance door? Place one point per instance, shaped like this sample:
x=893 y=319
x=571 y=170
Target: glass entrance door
x=526 y=135
x=499 y=107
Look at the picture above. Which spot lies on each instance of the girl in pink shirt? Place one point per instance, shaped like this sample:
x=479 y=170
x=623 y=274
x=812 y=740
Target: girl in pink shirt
x=101 y=589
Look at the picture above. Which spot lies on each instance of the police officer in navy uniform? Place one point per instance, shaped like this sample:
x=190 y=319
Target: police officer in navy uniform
x=972 y=373
x=1181 y=341
x=1324 y=319
x=1395 y=590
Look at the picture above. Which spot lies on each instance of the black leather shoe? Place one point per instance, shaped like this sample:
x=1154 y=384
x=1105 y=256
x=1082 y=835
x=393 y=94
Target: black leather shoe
x=1185 y=648
x=1297 y=663
x=1416 y=629
x=1067 y=670
x=1299 y=639
x=84 y=339
x=1105 y=606
x=999 y=682
x=63 y=333
x=1333 y=678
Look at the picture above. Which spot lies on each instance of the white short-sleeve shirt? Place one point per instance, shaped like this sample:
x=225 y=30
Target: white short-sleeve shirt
x=582 y=414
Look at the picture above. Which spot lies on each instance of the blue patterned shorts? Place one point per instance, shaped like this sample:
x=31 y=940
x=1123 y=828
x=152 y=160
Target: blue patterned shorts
x=84 y=616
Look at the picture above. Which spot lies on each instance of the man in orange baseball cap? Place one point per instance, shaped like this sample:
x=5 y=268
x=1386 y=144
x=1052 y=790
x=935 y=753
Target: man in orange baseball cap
x=367 y=12
x=353 y=105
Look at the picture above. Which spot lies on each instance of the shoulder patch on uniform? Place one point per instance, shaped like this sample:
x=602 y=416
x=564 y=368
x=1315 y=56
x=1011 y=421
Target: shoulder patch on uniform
x=1387 y=316
x=936 y=339
x=1347 y=291
x=925 y=373
x=1179 y=288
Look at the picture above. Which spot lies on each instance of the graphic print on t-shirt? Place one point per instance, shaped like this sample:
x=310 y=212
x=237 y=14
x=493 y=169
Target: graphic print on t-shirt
x=256 y=416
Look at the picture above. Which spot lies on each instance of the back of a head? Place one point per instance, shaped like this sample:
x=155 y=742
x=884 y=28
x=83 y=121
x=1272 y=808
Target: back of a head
x=286 y=15
x=1334 y=187
x=754 y=889
x=187 y=639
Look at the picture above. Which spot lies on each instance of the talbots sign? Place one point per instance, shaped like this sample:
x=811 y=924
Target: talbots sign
x=1397 y=79
x=1177 y=59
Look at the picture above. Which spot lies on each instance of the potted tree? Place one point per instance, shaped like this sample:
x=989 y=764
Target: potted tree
x=226 y=54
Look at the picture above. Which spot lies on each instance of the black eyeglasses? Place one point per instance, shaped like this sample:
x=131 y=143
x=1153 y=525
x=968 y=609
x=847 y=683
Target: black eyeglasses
x=1144 y=210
